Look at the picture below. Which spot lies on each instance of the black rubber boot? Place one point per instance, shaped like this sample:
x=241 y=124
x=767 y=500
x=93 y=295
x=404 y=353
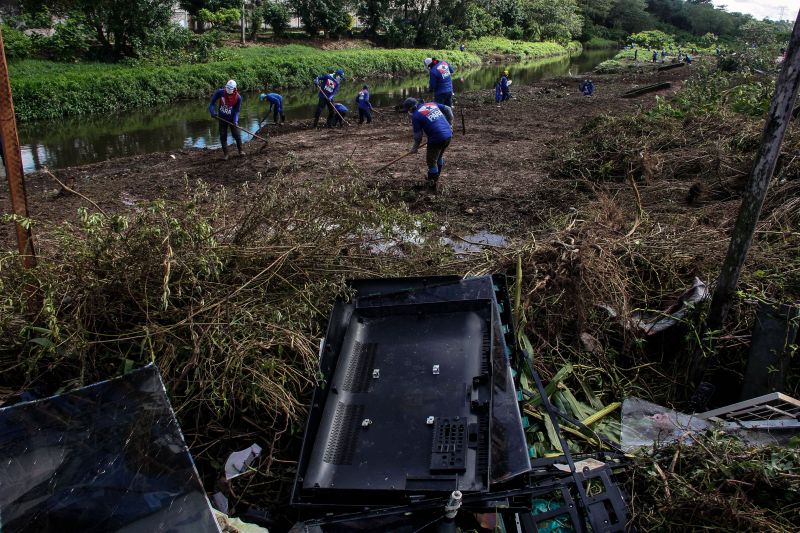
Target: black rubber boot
x=433 y=179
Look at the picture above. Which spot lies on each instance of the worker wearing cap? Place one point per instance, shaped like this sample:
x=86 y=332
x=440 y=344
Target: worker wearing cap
x=275 y=106
x=505 y=86
x=587 y=88
x=230 y=101
x=364 y=106
x=436 y=122
x=441 y=81
x=327 y=87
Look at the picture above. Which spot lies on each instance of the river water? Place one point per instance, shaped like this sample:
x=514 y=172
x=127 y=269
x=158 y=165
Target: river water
x=175 y=126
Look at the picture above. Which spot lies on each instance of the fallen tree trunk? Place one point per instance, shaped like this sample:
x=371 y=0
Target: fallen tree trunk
x=670 y=67
x=647 y=89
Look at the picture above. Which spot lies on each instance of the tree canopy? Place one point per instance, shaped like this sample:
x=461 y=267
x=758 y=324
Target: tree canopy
x=120 y=27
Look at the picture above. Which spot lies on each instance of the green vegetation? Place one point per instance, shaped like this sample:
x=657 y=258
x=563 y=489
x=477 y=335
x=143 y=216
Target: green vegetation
x=717 y=483
x=45 y=89
x=494 y=46
x=600 y=42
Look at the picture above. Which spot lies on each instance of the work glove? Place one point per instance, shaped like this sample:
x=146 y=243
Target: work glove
x=413 y=150
x=213 y=114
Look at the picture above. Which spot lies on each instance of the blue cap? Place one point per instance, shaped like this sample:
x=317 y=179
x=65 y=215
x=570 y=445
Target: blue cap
x=339 y=73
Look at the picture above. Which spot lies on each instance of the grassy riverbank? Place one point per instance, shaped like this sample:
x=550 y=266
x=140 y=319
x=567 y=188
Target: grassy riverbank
x=49 y=90
x=520 y=50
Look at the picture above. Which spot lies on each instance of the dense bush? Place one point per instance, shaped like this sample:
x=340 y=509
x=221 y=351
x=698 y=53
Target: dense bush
x=518 y=49
x=219 y=18
x=276 y=15
x=44 y=89
x=177 y=46
x=652 y=39
x=17 y=44
x=72 y=40
x=600 y=42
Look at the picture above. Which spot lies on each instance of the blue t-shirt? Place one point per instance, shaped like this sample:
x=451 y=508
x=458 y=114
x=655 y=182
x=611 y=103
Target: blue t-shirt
x=341 y=108
x=229 y=113
x=363 y=100
x=430 y=119
x=276 y=100
x=504 y=83
x=328 y=84
x=441 y=81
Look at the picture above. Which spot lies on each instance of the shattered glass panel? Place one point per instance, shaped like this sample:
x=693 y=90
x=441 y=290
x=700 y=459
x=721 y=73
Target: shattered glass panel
x=107 y=457
x=645 y=424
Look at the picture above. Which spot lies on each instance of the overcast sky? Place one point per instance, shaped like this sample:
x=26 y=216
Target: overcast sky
x=762 y=8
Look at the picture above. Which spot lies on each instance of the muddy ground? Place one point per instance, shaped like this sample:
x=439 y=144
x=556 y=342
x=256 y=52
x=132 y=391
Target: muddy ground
x=496 y=175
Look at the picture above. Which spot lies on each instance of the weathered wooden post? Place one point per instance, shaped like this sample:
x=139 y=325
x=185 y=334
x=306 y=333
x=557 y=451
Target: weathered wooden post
x=13 y=162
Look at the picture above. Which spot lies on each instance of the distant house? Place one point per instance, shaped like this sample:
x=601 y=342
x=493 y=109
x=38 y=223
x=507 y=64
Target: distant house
x=180 y=16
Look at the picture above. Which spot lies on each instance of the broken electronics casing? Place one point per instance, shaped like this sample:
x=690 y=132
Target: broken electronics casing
x=416 y=399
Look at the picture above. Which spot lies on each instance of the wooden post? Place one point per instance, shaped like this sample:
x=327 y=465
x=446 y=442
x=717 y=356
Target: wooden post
x=13 y=162
x=780 y=113
x=243 y=19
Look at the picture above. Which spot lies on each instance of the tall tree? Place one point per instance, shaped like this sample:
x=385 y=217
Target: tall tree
x=119 y=25
x=553 y=21
x=630 y=15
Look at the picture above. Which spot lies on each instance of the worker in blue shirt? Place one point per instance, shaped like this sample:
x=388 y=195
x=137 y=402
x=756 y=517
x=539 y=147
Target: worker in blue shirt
x=587 y=88
x=441 y=81
x=436 y=122
x=275 y=106
x=655 y=56
x=364 y=106
x=327 y=88
x=462 y=47
x=338 y=118
x=230 y=102
x=505 y=86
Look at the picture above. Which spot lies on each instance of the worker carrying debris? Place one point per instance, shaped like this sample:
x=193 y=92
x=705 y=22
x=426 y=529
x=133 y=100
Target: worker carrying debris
x=338 y=119
x=364 y=106
x=436 y=121
x=441 y=81
x=275 y=106
x=327 y=87
x=230 y=102
x=587 y=88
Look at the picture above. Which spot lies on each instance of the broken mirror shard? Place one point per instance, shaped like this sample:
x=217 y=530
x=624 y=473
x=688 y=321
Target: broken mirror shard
x=107 y=457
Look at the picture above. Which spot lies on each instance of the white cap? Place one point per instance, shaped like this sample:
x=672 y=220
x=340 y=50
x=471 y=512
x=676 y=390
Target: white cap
x=428 y=61
x=230 y=86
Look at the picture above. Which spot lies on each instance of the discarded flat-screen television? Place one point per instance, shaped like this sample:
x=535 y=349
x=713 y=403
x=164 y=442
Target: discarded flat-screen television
x=417 y=396
x=107 y=457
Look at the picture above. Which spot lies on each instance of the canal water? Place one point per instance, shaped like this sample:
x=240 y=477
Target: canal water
x=175 y=126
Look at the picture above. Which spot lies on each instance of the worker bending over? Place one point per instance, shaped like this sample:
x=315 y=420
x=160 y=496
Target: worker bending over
x=327 y=88
x=441 y=81
x=587 y=88
x=338 y=119
x=230 y=102
x=436 y=122
x=275 y=106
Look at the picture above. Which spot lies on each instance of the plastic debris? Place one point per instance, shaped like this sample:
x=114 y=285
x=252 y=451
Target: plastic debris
x=652 y=323
x=236 y=525
x=239 y=462
x=645 y=424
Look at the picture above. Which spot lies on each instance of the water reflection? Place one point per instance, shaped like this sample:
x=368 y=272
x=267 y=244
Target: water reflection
x=83 y=140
